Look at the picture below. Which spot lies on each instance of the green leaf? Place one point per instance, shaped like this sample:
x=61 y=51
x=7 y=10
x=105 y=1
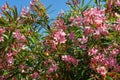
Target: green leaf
x=2 y=22
x=31 y=39
x=83 y=2
x=91 y=79
x=5 y=36
x=95 y=1
x=109 y=78
x=7 y=15
x=5 y=72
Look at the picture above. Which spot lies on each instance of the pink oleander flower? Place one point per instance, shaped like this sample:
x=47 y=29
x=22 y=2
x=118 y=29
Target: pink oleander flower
x=61 y=14
x=34 y=75
x=1 y=38
x=19 y=36
x=88 y=31
x=54 y=44
x=4 y=7
x=118 y=20
x=99 y=58
x=103 y=29
x=76 y=42
x=94 y=16
x=33 y=2
x=117 y=28
x=117 y=67
x=71 y=36
x=9 y=59
x=83 y=39
x=98 y=21
x=109 y=5
x=2 y=30
x=102 y=70
x=47 y=62
x=23 y=68
x=60 y=24
x=83 y=46
x=70 y=59
x=78 y=21
x=59 y=36
x=3 y=65
x=17 y=47
x=25 y=12
x=111 y=62
x=92 y=51
x=2 y=77
x=72 y=19
x=52 y=69
x=114 y=52
x=117 y=3
x=96 y=34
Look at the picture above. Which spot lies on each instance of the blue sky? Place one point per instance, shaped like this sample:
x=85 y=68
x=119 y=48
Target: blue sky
x=57 y=5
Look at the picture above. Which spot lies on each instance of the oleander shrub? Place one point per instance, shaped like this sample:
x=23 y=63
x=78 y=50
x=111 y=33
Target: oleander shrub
x=82 y=43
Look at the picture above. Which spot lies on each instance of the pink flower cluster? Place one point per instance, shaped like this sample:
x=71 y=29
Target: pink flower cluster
x=94 y=29
x=25 y=12
x=88 y=36
x=76 y=21
x=52 y=69
x=52 y=66
x=71 y=36
x=69 y=59
x=23 y=68
x=33 y=2
x=4 y=7
x=93 y=52
x=88 y=30
x=117 y=27
x=94 y=16
x=117 y=3
x=60 y=24
x=35 y=75
x=83 y=40
x=106 y=58
x=2 y=31
x=17 y=35
x=102 y=70
x=10 y=59
x=59 y=36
